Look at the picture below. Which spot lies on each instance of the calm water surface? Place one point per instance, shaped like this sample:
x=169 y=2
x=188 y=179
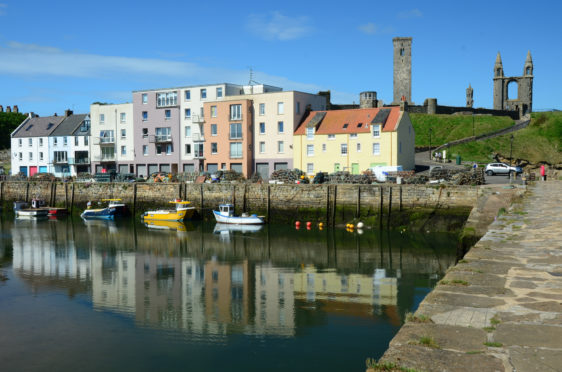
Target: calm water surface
x=101 y=296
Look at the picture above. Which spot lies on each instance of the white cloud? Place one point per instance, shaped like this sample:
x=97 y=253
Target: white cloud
x=276 y=26
x=372 y=29
x=413 y=13
x=3 y=8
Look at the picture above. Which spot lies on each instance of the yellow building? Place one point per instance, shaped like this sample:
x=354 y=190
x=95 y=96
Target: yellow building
x=354 y=140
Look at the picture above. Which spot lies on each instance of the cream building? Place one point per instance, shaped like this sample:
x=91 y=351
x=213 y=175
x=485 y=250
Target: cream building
x=354 y=140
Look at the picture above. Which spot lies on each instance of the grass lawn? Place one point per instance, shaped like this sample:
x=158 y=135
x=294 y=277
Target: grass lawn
x=447 y=128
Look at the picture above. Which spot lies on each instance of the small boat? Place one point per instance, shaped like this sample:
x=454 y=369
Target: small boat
x=37 y=209
x=114 y=209
x=57 y=212
x=165 y=225
x=225 y=214
x=181 y=212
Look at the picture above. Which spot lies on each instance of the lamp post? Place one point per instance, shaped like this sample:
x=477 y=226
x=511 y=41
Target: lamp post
x=430 y=130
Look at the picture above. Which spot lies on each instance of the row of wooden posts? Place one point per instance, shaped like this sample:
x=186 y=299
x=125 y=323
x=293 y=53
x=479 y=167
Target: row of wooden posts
x=331 y=199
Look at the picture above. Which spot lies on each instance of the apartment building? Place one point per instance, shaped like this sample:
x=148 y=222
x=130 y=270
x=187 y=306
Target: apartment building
x=354 y=140
x=69 y=146
x=112 y=142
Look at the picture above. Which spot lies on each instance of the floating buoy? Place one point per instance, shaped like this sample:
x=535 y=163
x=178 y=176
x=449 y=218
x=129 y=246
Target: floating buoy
x=321 y=225
x=359 y=231
x=297 y=223
x=351 y=226
x=360 y=225
x=308 y=224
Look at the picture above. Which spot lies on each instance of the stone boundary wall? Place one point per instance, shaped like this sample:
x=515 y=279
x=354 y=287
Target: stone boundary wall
x=448 y=110
x=322 y=201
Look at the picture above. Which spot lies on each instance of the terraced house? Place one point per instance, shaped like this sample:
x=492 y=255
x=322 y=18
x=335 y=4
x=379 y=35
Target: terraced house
x=354 y=140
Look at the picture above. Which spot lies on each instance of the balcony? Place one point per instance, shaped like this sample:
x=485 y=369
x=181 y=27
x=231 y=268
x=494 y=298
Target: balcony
x=78 y=161
x=197 y=119
x=60 y=161
x=198 y=137
x=160 y=138
x=104 y=141
x=104 y=157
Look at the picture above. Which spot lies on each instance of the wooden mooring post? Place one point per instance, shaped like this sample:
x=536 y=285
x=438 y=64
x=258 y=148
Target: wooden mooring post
x=72 y=198
x=335 y=204
x=381 y=207
x=358 y=210
x=268 y=203
x=201 y=201
x=134 y=198
x=389 y=207
x=27 y=192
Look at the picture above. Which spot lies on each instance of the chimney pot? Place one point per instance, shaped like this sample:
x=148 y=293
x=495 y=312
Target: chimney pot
x=16 y=109
x=68 y=112
x=8 y=109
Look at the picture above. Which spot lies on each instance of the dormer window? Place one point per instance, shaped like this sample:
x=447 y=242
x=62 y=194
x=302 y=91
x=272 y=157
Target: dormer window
x=359 y=125
x=345 y=126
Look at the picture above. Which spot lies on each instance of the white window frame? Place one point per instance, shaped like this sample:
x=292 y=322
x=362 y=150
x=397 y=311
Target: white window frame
x=376 y=131
x=145 y=150
x=280 y=147
x=262 y=109
x=216 y=150
x=215 y=127
x=344 y=151
x=187 y=131
x=144 y=98
x=310 y=150
x=203 y=93
x=123 y=150
x=280 y=124
x=102 y=118
x=309 y=168
x=123 y=117
x=219 y=92
x=123 y=133
x=236 y=112
x=323 y=147
x=358 y=147
x=331 y=137
x=310 y=133
x=214 y=111
x=280 y=108
x=262 y=126
x=187 y=95
x=262 y=147
x=376 y=148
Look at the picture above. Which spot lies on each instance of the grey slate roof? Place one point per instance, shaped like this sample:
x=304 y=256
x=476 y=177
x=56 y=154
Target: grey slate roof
x=38 y=126
x=69 y=125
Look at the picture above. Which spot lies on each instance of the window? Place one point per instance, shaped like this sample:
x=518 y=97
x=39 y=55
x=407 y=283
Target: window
x=123 y=150
x=236 y=131
x=166 y=99
x=55 y=141
x=65 y=141
x=345 y=126
x=188 y=131
x=236 y=149
x=159 y=149
x=187 y=95
x=40 y=141
x=76 y=143
x=144 y=98
x=123 y=117
x=280 y=128
x=323 y=147
x=310 y=133
x=310 y=168
x=188 y=149
x=187 y=113
x=298 y=110
x=20 y=155
x=60 y=157
x=30 y=141
x=213 y=129
x=86 y=140
x=198 y=153
x=20 y=142
x=144 y=132
x=402 y=52
x=280 y=147
x=219 y=92
x=280 y=108
x=213 y=111
x=123 y=133
x=376 y=130
x=358 y=146
x=106 y=136
x=343 y=148
x=309 y=150
x=102 y=118
x=40 y=156
x=203 y=93
x=30 y=156
x=262 y=128
x=163 y=134
x=235 y=112
x=168 y=114
x=144 y=116
x=376 y=148
x=214 y=148
x=262 y=147
x=331 y=136
x=353 y=135
x=262 y=108
x=169 y=149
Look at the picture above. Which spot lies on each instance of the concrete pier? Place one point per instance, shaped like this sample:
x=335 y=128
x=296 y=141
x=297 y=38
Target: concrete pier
x=500 y=308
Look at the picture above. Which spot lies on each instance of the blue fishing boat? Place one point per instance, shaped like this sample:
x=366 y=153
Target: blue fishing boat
x=114 y=209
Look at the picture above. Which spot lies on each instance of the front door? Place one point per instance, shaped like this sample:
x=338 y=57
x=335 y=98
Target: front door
x=32 y=171
x=354 y=168
x=336 y=167
x=263 y=170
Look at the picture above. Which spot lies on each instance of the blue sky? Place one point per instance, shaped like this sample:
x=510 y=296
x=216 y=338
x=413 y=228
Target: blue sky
x=67 y=54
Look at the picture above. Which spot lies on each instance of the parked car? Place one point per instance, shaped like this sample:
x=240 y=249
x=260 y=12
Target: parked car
x=501 y=168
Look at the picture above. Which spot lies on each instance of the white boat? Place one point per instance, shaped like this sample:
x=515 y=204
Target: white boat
x=225 y=214
x=37 y=209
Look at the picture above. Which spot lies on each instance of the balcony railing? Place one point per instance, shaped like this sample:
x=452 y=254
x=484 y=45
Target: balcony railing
x=79 y=161
x=105 y=157
x=198 y=137
x=60 y=161
x=103 y=141
x=160 y=138
x=235 y=155
x=197 y=119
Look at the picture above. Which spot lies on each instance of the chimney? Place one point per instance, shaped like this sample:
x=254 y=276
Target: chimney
x=55 y=114
x=404 y=105
x=1 y=108
x=31 y=115
x=8 y=109
x=68 y=112
x=16 y=109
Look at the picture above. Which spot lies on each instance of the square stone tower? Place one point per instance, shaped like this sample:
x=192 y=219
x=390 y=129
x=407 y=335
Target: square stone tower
x=402 y=69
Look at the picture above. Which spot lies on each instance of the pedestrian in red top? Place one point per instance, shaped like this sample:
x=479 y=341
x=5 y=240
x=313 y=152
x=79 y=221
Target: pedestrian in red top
x=543 y=173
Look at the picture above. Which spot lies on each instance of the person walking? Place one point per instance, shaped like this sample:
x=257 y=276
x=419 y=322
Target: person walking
x=543 y=173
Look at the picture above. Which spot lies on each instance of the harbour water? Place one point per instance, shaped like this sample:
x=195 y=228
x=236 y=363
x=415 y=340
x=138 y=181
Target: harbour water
x=108 y=296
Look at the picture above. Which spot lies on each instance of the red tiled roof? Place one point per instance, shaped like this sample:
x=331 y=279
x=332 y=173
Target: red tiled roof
x=334 y=121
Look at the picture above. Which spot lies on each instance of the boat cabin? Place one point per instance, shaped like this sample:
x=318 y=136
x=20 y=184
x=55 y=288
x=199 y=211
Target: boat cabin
x=226 y=210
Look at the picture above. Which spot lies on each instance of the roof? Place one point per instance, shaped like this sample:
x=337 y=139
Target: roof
x=351 y=120
x=38 y=126
x=69 y=125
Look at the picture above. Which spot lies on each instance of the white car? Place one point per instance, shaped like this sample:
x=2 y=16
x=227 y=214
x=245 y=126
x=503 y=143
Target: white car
x=501 y=168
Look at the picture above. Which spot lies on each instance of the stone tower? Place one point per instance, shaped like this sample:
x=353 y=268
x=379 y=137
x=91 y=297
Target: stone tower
x=368 y=100
x=469 y=96
x=524 y=101
x=402 y=69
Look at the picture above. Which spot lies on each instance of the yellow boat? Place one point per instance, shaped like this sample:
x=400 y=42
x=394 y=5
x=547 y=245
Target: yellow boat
x=182 y=212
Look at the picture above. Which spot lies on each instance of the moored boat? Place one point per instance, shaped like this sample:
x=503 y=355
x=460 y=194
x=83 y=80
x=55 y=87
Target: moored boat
x=57 y=212
x=114 y=209
x=225 y=214
x=37 y=209
x=180 y=213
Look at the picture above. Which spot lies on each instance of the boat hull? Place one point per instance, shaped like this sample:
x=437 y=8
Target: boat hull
x=249 y=220
x=169 y=215
x=28 y=213
x=108 y=213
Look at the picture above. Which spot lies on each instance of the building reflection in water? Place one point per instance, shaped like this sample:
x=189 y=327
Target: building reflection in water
x=202 y=283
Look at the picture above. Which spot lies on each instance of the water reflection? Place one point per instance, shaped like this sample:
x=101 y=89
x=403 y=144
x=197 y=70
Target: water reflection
x=220 y=280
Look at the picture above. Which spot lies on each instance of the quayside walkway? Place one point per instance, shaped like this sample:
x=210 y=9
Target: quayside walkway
x=500 y=308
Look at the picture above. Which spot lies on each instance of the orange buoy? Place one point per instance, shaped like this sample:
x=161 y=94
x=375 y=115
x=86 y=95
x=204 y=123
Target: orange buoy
x=297 y=223
x=308 y=224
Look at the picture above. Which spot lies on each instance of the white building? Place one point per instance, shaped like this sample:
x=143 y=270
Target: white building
x=112 y=137
x=69 y=146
